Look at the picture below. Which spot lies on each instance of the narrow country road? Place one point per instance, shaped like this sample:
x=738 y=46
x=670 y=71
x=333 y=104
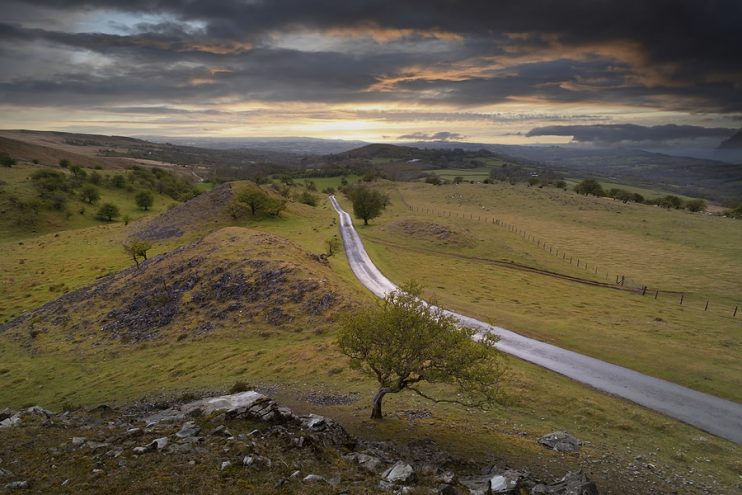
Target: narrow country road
x=717 y=416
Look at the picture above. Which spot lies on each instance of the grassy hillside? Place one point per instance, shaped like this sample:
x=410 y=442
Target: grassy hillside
x=145 y=333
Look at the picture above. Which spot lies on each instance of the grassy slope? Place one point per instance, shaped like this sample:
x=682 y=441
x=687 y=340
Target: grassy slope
x=300 y=362
x=18 y=184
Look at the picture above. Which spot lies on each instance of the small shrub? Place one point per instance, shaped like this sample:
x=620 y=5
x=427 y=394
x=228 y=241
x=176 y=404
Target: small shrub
x=238 y=387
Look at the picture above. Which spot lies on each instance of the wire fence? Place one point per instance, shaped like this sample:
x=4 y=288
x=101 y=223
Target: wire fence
x=591 y=269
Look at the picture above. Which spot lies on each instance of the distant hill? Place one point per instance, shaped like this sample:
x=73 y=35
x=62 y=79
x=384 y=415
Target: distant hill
x=733 y=142
x=293 y=145
x=117 y=151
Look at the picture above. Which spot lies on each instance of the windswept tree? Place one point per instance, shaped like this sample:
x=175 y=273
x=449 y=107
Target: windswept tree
x=368 y=203
x=137 y=248
x=404 y=343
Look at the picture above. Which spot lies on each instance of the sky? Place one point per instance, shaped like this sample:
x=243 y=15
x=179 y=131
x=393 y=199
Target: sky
x=514 y=72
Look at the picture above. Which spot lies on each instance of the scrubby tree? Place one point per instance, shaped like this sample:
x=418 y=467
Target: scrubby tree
x=137 y=248
x=590 y=186
x=118 y=181
x=333 y=245
x=404 y=343
x=64 y=163
x=533 y=181
x=144 y=200
x=107 y=212
x=458 y=179
x=695 y=205
x=307 y=198
x=6 y=160
x=434 y=179
x=670 y=201
x=89 y=194
x=260 y=201
x=367 y=203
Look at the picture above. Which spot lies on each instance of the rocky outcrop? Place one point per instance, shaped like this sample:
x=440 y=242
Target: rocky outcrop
x=560 y=441
x=246 y=435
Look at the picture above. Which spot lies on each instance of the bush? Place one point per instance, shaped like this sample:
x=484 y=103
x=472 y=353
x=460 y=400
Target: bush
x=695 y=205
x=433 y=179
x=64 y=163
x=89 y=194
x=6 y=160
x=307 y=198
x=144 y=200
x=107 y=212
x=238 y=387
x=590 y=186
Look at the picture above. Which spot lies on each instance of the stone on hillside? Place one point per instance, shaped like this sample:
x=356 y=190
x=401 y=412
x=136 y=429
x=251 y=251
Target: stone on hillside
x=328 y=429
x=573 y=483
x=78 y=441
x=560 y=441
x=17 y=485
x=39 y=411
x=159 y=443
x=6 y=413
x=477 y=485
x=11 y=421
x=401 y=473
x=313 y=478
x=256 y=461
x=189 y=429
x=367 y=462
x=224 y=465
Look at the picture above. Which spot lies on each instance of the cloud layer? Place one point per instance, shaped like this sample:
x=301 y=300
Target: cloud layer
x=492 y=59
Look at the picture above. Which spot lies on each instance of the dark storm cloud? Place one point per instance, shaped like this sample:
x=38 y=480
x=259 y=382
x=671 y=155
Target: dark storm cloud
x=625 y=133
x=668 y=54
x=435 y=136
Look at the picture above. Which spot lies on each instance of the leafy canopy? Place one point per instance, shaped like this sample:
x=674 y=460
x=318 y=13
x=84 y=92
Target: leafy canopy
x=404 y=342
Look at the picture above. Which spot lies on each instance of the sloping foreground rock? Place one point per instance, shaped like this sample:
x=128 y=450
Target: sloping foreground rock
x=237 y=443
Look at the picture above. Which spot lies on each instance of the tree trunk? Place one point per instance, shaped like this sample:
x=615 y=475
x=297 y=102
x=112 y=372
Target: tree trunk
x=365 y=221
x=376 y=404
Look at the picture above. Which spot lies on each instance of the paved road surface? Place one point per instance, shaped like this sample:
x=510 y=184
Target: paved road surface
x=707 y=412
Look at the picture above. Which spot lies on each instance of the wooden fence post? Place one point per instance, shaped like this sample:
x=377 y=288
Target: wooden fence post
x=707 y=305
x=656 y=293
x=682 y=296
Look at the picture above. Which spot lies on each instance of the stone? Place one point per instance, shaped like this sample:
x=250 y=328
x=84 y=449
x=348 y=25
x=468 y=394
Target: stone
x=256 y=461
x=573 y=483
x=17 y=485
x=328 y=429
x=313 y=478
x=134 y=432
x=401 y=473
x=6 y=413
x=445 y=489
x=367 y=462
x=295 y=475
x=97 y=445
x=220 y=431
x=189 y=429
x=159 y=443
x=140 y=450
x=78 y=441
x=11 y=421
x=560 y=441
x=477 y=485
x=39 y=411
x=224 y=465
